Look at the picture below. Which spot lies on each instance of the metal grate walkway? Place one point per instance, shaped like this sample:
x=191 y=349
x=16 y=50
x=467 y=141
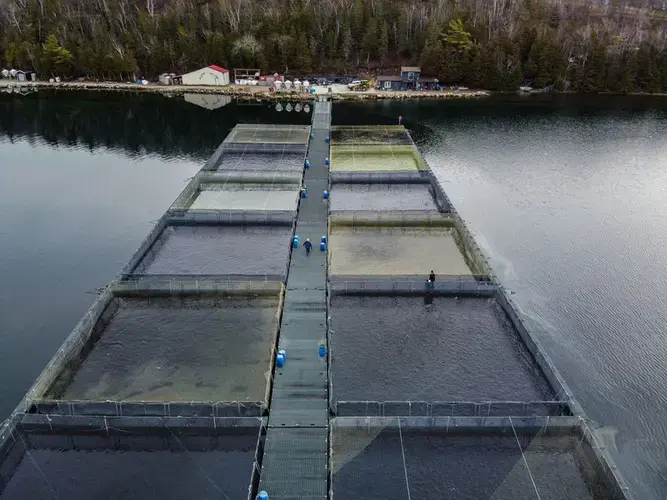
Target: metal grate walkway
x=295 y=454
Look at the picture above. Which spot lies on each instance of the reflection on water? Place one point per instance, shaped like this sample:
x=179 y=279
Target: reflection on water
x=567 y=194
x=134 y=124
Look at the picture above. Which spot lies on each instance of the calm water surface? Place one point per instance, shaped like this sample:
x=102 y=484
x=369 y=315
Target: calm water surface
x=83 y=177
x=568 y=195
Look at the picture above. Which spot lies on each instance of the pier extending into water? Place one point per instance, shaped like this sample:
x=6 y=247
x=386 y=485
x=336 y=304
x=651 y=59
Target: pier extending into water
x=225 y=361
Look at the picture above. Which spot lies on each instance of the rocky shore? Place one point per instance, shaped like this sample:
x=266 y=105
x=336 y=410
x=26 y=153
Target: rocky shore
x=243 y=92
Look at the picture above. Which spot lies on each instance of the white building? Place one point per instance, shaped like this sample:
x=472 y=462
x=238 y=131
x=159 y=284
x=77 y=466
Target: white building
x=210 y=75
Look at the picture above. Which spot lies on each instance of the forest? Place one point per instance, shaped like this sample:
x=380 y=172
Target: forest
x=576 y=45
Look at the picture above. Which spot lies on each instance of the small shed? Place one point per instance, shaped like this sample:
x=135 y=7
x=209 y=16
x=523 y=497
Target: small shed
x=410 y=77
x=246 y=73
x=389 y=82
x=411 y=73
x=210 y=75
x=167 y=78
x=428 y=83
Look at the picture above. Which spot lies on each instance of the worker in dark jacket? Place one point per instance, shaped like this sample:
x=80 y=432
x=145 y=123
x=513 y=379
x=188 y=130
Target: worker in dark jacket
x=431 y=277
x=308 y=245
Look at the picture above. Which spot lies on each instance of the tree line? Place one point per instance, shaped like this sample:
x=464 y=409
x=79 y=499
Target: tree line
x=580 y=45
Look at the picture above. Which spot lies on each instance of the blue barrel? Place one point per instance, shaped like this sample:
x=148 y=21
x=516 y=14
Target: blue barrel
x=295 y=242
x=307 y=164
x=323 y=239
x=323 y=246
x=326 y=138
x=262 y=495
x=326 y=160
x=325 y=194
x=282 y=353
x=304 y=193
x=280 y=360
x=322 y=351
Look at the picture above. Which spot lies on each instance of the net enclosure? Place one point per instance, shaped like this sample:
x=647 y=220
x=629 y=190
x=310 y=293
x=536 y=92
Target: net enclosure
x=376 y=134
x=374 y=158
x=120 y=462
x=143 y=352
x=229 y=196
x=267 y=162
x=377 y=197
x=408 y=244
x=399 y=459
x=268 y=134
x=443 y=350
x=217 y=250
x=390 y=251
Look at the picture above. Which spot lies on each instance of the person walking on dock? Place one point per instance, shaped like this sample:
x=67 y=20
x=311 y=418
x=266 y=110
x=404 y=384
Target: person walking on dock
x=308 y=245
x=430 y=283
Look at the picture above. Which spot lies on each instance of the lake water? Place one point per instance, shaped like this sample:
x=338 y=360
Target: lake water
x=568 y=196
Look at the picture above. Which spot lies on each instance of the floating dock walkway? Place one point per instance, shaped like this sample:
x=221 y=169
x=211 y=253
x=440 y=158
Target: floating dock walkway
x=295 y=458
x=225 y=362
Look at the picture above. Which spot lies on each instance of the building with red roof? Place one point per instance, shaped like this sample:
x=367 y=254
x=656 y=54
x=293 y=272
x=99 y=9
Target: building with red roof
x=209 y=75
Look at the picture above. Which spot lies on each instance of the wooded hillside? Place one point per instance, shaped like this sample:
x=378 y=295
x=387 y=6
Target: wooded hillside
x=494 y=44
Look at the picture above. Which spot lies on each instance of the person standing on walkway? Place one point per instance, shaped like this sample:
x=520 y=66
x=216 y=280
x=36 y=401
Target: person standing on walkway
x=430 y=284
x=308 y=245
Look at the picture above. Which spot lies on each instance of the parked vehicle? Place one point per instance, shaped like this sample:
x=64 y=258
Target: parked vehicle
x=359 y=85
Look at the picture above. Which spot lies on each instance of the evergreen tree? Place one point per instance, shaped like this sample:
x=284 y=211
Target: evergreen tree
x=458 y=37
x=432 y=56
x=357 y=23
x=303 y=56
x=663 y=69
x=55 y=58
x=534 y=43
x=383 y=42
x=370 y=41
x=628 y=74
x=346 y=43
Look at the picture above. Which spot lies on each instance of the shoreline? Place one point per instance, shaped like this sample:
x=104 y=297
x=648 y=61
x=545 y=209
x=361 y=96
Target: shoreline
x=262 y=94
x=243 y=92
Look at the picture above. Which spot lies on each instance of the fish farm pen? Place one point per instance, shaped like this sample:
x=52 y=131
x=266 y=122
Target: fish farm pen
x=226 y=361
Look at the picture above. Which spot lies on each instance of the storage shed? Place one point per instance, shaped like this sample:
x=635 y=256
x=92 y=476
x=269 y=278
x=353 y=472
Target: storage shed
x=210 y=75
